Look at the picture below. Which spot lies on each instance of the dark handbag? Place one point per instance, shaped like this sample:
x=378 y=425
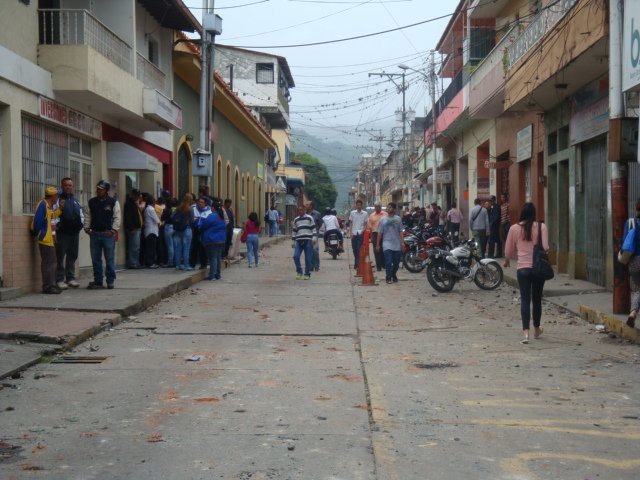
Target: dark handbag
x=541 y=267
x=243 y=237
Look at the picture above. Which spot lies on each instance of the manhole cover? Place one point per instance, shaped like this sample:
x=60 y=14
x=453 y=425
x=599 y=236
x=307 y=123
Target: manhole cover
x=77 y=359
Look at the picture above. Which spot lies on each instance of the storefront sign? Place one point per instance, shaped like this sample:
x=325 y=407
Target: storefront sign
x=483 y=187
x=524 y=139
x=161 y=109
x=498 y=165
x=67 y=117
x=589 y=122
x=631 y=46
x=443 y=176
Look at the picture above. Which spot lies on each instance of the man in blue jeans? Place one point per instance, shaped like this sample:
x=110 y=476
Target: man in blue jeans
x=274 y=217
x=102 y=223
x=390 y=242
x=304 y=237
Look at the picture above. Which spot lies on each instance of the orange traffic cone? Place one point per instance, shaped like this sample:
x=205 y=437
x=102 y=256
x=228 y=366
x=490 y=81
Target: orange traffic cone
x=362 y=254
x=367 y=276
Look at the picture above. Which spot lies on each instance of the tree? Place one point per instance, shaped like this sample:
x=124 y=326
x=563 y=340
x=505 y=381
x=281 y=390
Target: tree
x=318 y=184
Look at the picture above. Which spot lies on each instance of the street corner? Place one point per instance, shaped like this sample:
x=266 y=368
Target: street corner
x=53 y=326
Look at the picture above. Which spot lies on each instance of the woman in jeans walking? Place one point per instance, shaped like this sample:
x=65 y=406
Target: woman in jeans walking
x=213 y=229
x=182 y=234
x=252 y=229
x=520 y=241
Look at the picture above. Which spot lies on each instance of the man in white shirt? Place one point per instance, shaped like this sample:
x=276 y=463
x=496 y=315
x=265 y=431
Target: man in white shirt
x=357 y=225
x=331 y=225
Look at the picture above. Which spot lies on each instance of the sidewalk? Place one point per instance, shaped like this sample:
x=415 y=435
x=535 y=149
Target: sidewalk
x=36 y=325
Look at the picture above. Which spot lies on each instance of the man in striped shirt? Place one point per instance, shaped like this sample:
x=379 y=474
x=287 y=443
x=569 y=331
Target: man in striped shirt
x=304 y=237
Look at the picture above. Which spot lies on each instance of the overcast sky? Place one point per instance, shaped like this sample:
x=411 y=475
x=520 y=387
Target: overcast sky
x=334 y=97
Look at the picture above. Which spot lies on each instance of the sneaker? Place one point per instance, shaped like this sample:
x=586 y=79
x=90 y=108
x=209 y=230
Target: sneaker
x=189 y=269
x=73 y=284
x=217 y=276
x=110 y=286
x=298 y=276
x=394 y=279
x=389 y=280
x=211 y=278
x=250 y=265
x=306 y=277
x=52 y=290
x=62 y=285
x=154 y=266
x=95 y=286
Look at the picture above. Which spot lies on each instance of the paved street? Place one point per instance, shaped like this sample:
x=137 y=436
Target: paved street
x=260 y=376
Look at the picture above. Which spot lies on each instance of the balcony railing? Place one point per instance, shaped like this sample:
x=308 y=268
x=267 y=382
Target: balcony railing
x=79 y=27
x=495 y=56
x=538 y=28
x=451 y=91
x=149 y=74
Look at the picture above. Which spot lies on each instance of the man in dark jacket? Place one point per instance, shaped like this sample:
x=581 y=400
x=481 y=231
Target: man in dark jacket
x=495 y=244
x=68 y=229
x=132 y=220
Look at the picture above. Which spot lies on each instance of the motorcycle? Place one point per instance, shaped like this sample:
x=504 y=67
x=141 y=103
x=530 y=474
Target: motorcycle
x=445 y=268
x=418 y=242
x=333 y=244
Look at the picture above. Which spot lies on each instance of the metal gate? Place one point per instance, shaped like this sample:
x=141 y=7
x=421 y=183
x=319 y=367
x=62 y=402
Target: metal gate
x=594 y=163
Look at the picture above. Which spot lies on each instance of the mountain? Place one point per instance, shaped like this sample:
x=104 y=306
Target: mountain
x=341 y=160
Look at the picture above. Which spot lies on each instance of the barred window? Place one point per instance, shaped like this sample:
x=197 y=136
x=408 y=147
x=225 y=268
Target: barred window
x=265 y=73
x=45 y=160
x=48 y=155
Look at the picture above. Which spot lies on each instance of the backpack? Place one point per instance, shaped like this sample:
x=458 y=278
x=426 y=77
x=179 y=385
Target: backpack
x=180 y=221
x=629 y=243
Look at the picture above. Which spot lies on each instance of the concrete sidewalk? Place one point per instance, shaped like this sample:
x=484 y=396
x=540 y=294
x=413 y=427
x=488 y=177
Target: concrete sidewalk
x=36 y=325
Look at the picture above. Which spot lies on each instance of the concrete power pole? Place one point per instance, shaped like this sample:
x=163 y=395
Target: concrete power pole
x=432 y=94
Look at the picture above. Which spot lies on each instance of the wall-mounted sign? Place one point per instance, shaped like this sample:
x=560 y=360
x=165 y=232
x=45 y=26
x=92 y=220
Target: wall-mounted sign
x=498 y=165
x=67 y=117
x=631 y=46
x=524 y=140
x=443 y=176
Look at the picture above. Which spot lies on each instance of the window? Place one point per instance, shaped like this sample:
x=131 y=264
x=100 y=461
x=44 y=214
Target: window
x=154 y=52
x=48 y=155
x=265 y=73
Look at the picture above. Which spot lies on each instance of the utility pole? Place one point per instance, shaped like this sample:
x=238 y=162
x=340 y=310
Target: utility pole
x=432 y=94
x=401 y=89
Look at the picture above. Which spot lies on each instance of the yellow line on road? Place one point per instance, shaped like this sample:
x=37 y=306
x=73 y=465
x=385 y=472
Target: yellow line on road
x=547 y=425
x=518 y=465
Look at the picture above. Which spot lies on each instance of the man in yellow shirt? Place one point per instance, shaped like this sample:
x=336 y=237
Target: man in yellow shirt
x=43 y=230
x=372 y=226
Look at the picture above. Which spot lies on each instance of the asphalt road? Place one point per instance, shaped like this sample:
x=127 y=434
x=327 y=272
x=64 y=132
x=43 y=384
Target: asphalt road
x=261 y=376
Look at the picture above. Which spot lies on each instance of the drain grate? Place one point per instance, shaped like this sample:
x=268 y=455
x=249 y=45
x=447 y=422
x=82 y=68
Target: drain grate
x=79 y=359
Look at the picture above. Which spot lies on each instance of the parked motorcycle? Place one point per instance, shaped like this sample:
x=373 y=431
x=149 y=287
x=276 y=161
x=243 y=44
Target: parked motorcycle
x=333 y=243
x=445 y=268
x=418 y=242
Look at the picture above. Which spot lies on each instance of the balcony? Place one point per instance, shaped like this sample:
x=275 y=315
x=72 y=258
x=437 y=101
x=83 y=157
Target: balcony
x=542 y=24
x=487 y=83
x=149 y=74
x=92 y=67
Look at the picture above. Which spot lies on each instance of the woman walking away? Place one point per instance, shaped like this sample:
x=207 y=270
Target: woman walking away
x=520 y=241
x=182 y=234
x=213 y=231
x=251 y=231
x=151 y=231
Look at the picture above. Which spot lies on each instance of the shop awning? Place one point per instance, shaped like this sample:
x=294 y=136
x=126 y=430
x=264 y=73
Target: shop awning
x=121 y=156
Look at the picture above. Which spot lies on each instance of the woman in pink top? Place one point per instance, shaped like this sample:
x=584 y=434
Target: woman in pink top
x=520 y=241
x=252 y=229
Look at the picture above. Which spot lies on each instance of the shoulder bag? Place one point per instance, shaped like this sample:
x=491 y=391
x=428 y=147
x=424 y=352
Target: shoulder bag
x=541 y=267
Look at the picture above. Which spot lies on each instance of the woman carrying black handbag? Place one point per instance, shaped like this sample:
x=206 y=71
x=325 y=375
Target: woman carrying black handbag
x=521 y=240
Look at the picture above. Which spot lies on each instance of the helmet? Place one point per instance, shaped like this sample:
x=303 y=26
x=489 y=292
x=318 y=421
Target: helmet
x=103 y=185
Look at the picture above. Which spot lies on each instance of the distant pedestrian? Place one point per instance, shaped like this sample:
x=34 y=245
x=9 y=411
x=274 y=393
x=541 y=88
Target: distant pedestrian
x=634 y=269
x=201 y=210
x=274 y=217
x=42 y=227
x=101 y=223
x=372 y=225
x=161 y=249
x=479 y=225
x=454 y=219
x=303 y=236
x=182 y=219
x=167 y=220
x=68 y=230
x=495 y=244
x=505 y=218
x=151 y=231
x=213 y=231
x=231 y=219
x=132 y=220
x=520 y=242
x=251 y=232
x=389 y=241
x=357 y=225
x=317 y=219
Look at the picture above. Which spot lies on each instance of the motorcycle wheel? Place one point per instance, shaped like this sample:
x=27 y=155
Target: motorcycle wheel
x=412 y=261
x=334 y=253
x=489 y=276
x=440 y=279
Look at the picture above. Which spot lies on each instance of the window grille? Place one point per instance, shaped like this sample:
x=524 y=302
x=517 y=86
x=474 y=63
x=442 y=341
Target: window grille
x=265 y=73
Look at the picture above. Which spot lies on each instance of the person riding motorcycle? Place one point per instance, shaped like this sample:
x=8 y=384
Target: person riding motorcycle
x=331 y=225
